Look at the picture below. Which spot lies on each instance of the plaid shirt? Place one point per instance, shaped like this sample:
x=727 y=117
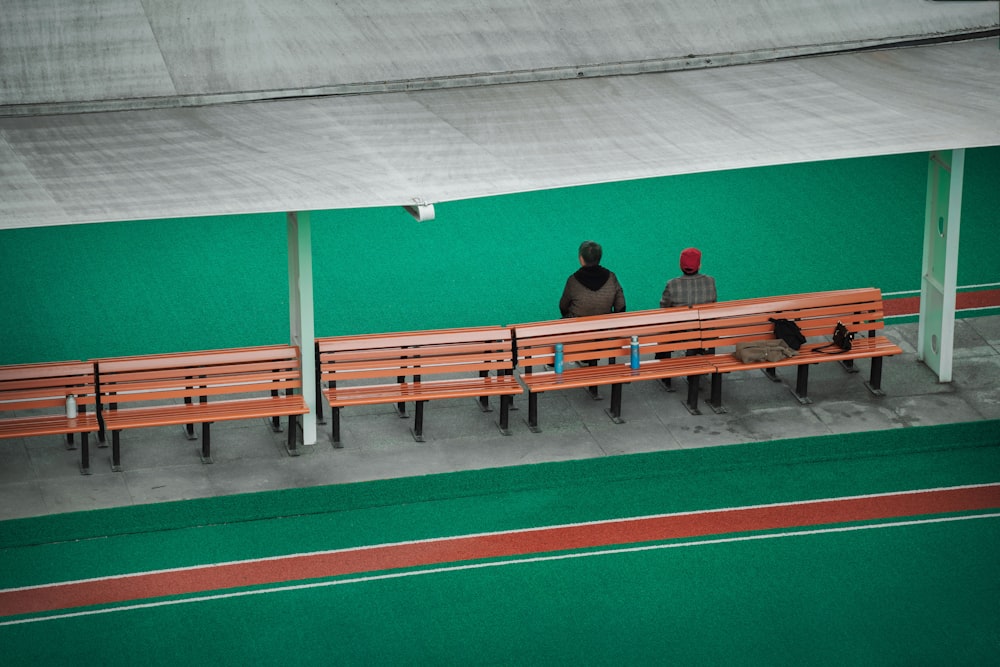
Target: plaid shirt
x=689 y=290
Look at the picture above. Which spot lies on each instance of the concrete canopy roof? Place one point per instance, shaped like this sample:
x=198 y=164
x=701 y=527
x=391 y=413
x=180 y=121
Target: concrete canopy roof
x=160 y=141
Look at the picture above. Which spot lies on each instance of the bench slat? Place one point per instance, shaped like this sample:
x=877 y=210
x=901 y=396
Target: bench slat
x=336 y=373
x=504 y=385
x=594 y=323
x=125 y=394
x=197 y=413
x=482 y=335
x=396 y=347
x=23 y=427
x=863 y=348
x=109 y=372
x=591 y=376
x=206 y=358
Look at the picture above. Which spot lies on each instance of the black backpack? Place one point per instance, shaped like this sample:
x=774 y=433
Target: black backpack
x=789 y=332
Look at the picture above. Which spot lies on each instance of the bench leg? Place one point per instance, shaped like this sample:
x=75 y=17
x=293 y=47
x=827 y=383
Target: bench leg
x=206 y=443
x=484 y=401
x=418 y=423
x=593 y=390
x=874 y=384
x=319 y=393
x=504 y=422
x=293 y=437
x=715 y=399
x=335 y=429
x=692 y=398
x=802 y=384
x=848 y=365
x=772 y=374
x=116 y=453
x=532 y=420
x=70 y=441
x=85 y=454
x=189 y=432
x=615 y=411
x=665 y=382
x=401 y=406
x=276 y=424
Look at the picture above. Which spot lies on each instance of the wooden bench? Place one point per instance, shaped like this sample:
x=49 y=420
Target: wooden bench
x=587 y=340
x=374 y=369
x=724 y=324
x=190 y=388
x=36 y=396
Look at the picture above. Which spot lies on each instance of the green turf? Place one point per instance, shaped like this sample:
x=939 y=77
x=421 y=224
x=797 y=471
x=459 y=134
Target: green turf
x=900 y=595
x=299 y=520
x=908 y=595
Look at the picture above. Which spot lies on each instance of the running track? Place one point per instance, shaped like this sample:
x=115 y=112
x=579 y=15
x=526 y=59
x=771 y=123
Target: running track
x=963 y=301
x=144 y=586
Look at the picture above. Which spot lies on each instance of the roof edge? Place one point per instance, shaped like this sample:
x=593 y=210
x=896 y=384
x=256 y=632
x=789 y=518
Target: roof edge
x=568 y=72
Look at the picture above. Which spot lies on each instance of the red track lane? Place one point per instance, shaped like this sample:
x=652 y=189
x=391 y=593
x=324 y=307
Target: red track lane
x=206 y=578
x=963 y=301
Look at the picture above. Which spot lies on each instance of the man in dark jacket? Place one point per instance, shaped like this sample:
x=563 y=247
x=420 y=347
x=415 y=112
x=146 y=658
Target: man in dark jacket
x=593 y=289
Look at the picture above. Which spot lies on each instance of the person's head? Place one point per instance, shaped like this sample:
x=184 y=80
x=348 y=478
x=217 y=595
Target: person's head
x=690 y=260
x=590 y=253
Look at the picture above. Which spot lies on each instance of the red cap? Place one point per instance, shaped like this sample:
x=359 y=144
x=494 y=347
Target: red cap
x=690 y=260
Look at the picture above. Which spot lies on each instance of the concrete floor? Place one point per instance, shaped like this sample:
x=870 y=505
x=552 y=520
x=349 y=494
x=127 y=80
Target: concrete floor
x=39 y=476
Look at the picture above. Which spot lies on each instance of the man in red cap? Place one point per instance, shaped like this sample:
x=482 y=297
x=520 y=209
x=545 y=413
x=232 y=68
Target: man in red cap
x=688 y=289
x=691 y=287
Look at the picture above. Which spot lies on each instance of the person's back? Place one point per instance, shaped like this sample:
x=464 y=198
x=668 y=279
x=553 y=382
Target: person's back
x=593 y=289
x=691 y=287
x=688 y=289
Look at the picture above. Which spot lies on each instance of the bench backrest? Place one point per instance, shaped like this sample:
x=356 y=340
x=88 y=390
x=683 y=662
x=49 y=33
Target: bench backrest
x=606 y=336
x=417 y=353
x=46 y=386
x=199 y=375
x=729 y=322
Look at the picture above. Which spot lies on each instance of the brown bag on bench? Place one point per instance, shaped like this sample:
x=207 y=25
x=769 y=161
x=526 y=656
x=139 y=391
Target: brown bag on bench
x=763 y=350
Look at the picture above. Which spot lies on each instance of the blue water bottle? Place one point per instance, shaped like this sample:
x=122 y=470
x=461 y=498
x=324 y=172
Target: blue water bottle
x=634 y=353
x=558 y=363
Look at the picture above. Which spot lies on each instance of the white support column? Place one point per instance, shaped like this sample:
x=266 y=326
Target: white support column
x=936 y=330
x=300 y=312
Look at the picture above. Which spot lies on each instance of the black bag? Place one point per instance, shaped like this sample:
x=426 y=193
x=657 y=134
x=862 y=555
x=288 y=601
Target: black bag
x=842 y=337
x=789 y=332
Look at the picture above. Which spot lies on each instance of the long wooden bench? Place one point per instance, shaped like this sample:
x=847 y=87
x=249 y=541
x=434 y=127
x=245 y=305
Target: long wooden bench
x=190 y=388
x=37 y=394
x=725 y=324
x=587 y=340
x=394 y=367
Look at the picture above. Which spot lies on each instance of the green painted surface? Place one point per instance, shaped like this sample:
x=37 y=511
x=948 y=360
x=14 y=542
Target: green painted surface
x=917 y=594
x=171 y=285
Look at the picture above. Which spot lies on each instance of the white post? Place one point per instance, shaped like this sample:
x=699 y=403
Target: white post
x=300 y=312
x=938 y=288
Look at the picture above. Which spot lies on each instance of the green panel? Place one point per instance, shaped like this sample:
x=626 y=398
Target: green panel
x=152 y=286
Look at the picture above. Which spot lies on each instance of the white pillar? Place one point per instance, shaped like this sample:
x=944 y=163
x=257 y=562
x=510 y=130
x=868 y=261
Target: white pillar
x=936 y=330
x=300 y=312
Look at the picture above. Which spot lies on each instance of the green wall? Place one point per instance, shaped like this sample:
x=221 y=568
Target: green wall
x=167 y=285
